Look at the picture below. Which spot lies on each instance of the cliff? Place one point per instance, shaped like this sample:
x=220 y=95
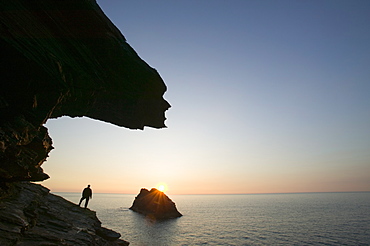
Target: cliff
x=65 y=58
x=30 y=215
x=155 y=205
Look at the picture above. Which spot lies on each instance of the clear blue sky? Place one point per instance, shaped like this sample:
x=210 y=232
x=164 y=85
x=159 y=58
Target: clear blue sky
x=267 y=96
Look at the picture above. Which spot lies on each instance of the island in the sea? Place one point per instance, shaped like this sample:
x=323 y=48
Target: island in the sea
x=155 y=205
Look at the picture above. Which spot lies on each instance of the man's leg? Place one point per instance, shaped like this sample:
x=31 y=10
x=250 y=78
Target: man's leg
x=82 y=198
x=87 y=201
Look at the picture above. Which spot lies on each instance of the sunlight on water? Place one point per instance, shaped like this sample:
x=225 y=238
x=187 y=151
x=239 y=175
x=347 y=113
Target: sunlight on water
x=273 y=219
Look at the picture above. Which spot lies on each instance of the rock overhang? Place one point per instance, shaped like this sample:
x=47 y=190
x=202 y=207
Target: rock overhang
x=66 y=58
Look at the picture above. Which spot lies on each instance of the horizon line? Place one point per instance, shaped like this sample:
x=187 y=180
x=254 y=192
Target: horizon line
x=266 y=193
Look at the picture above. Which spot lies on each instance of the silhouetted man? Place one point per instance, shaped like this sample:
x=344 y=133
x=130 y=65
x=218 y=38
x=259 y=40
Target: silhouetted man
x=86 y=194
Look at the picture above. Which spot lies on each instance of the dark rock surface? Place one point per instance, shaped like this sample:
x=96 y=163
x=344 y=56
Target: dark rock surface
x=66 y=58
x=30 y=215
x=155 y=205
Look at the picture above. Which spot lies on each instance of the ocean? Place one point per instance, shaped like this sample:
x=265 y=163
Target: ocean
x=258 y=219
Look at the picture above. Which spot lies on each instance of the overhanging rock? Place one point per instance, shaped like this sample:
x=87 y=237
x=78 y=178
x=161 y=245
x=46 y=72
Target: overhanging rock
x=66 y=58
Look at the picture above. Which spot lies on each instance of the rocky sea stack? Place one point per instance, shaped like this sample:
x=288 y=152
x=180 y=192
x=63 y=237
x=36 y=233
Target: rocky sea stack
x=155 y=205
x=61 y=58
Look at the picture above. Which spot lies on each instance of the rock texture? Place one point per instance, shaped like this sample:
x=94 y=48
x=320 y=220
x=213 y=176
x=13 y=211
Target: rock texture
x=66 y=58
x=155 y=204
x=30 y=215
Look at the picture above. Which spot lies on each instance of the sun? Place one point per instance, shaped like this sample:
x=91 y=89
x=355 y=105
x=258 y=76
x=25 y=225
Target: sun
x=162 y=187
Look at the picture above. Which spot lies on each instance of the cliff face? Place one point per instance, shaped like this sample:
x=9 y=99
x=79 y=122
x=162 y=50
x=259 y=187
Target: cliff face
x=61 y=58
x=30 y=215
x=66 y=58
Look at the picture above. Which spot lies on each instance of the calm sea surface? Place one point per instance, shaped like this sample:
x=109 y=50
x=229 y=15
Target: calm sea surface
x=268 y=219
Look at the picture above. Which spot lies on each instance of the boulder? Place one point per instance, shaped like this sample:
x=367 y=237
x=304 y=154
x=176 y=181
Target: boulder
x=108 y=234
x=155 y=205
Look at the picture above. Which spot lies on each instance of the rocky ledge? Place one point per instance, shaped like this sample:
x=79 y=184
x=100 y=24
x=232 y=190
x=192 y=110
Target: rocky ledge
x=30 y=215
x=155 y=205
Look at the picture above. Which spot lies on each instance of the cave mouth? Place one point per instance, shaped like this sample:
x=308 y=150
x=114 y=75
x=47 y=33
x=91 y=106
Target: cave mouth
x=83 y=148
x=89 y=151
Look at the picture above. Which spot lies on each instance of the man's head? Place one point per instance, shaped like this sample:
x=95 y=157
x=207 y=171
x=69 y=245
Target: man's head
x=88 y=186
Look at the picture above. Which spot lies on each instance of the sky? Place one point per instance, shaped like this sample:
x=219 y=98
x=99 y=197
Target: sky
x=268 y=96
